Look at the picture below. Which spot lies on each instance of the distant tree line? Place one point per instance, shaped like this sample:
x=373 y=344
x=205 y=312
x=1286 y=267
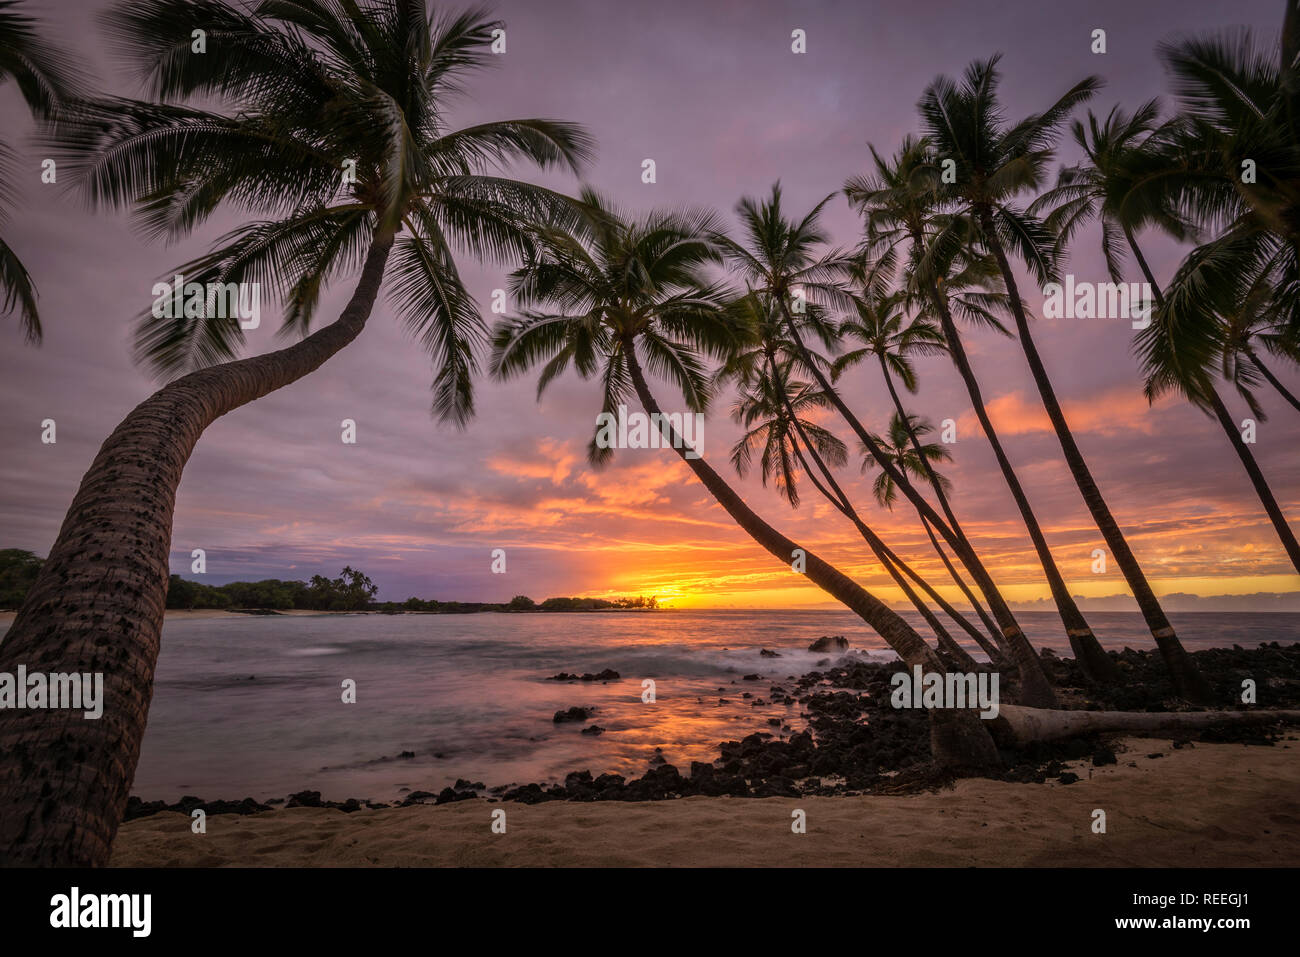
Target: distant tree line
x=18 y=570
x=351 y=591
x=520 y=603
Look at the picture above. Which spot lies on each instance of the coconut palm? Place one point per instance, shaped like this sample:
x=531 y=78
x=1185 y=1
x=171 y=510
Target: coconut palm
x=325 y=122
x=996 y=163
x=1249 y=328
x=633 y=289
x=890 y=340
x=1120 y=152
x=1238 y=101
x=779 y=257
x=905 y=447
x=1174 y=360
x=771 y=407
x=47 y=82
x=1233 y=165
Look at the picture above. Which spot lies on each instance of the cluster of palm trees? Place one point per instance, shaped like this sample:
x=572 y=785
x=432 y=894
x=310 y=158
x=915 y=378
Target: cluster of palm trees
x=288 y=95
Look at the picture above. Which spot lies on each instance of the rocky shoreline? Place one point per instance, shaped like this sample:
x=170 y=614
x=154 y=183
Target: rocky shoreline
x=857 y=743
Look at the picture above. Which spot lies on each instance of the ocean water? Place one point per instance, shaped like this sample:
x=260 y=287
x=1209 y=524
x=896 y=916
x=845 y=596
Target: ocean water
x=251 y=706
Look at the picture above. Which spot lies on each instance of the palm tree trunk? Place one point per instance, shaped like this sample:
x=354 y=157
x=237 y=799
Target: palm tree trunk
x=990 y=647
x=1075 y=625
x=97 y=605
x=1272 y=379
x=942 y=498
x=958 y=738
x=884 y=554
x=1238 y=444
x=1256 y=476
x=1187 y=680
x=1035 y=689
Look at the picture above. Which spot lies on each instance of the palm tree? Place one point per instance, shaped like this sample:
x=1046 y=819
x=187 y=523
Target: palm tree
x=1249 y=327
x=779 y=258
x=996 y=162
x=1120 y=152
x=47 y=82
x=892 y=341
x=630 y=288
x=1174 y=359
x=771 y=407
x=904 y=446
x=1237 y=104
x=313 y=90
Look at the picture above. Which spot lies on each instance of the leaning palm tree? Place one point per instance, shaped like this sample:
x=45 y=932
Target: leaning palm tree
x=1120 y=152
x=996 y=163
x=780 y=257
x=890 y=340
x=326 y=121
x=771 y=406
x=1252 y=327
x=47 y=82
x=904 y=444
x=629 y=291
x=1174 y=358
x=1238 y=113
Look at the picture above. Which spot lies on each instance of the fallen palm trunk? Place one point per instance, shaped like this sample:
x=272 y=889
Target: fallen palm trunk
x=1017 y=725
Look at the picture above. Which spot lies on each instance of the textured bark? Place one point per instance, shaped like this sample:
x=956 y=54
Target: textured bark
x=1020 y=726
x=958 y=737
x=1034 y=686
x=1256 y=477
x=97 y=605
x=944 y=504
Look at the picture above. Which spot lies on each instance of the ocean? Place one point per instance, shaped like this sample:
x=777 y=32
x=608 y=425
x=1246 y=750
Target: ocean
x=252 y=706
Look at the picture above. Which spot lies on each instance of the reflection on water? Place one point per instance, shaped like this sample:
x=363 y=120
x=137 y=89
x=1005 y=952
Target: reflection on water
x=252 y=706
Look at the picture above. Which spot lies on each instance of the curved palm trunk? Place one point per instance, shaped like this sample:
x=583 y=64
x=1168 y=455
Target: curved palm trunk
x=958 y=738
x=942 y=499
x=1267 y=373
x=1034 y=686
x=97 y=605
x=952 y=653
x=990 y=647
x=1187 y=680
x=1075 y=624
x=1257 y=479
x=991 y=650
x=1092 y=659
x=884 y=554
x=1262 y=489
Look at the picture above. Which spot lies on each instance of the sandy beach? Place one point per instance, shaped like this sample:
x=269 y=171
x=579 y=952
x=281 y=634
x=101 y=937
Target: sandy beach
x=1210 y=805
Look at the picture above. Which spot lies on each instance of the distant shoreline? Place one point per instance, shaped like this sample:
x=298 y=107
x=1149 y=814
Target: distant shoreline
x=199 y=614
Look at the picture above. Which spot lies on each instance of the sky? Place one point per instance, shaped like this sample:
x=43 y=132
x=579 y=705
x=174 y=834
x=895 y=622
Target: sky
x=714 y=94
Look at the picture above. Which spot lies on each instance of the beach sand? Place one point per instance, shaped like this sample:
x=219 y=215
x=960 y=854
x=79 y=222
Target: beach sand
x=1211 y=805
